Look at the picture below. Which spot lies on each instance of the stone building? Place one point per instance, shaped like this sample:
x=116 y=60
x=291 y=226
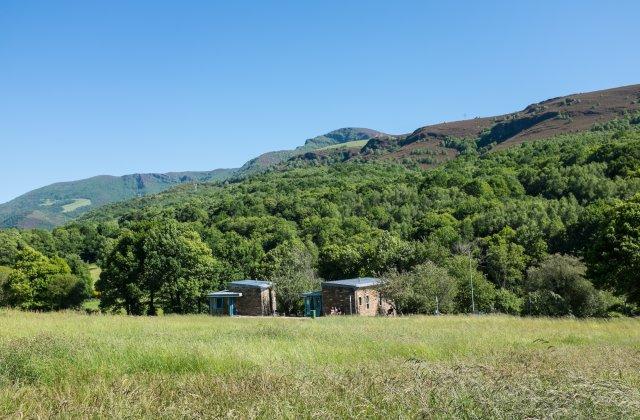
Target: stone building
x=244 y=297
x=360 y=296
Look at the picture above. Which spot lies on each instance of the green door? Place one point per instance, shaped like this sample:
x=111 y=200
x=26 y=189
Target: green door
x=232 y=306
x=317 y=304
x=307 y=306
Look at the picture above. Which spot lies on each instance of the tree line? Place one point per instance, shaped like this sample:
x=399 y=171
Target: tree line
x=546 y=228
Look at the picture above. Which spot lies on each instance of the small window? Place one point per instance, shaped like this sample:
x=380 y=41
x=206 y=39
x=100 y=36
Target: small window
x=366 y=298
x=380 y=299
x=218 y=303
x=359 y=300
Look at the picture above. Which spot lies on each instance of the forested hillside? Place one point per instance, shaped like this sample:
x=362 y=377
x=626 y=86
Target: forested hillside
x=424 y=148
x=547 y=227
x=56 y=204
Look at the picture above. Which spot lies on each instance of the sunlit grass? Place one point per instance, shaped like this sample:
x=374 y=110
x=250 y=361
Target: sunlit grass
x=72 y=365
x=76 y=204
x=346 y=145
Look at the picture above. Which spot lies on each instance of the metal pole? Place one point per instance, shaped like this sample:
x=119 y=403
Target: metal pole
x=350 y=306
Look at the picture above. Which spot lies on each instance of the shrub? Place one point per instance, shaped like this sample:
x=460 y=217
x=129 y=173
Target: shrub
x=4 y=278
x=422 y=290
x=559 y=288
x=508 y=302
x=64 y=291
x=484 y=292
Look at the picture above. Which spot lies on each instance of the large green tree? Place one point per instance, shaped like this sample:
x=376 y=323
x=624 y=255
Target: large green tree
x=42 y=283
x=161 y=264
x=178 y=270
x=505 y=259
x=121 y=282
x=613 y=252
x=557 y=286
x=290 y=267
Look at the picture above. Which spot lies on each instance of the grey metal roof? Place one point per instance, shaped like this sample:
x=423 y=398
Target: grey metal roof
x=261 y=284
x=357 y=283
x=224 y=293
x=314 y=293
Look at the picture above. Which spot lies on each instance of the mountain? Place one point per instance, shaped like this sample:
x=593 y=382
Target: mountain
x=58 y=203
x=333 y=138
x=55 y=204
x=431 y=145
x=424 y=148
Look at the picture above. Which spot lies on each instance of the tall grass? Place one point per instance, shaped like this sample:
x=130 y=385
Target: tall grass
x=73 y=365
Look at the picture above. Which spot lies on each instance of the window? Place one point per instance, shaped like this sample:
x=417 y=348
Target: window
x=380 y=299
x=218 y=303
x=366 y=299
x=359 y=300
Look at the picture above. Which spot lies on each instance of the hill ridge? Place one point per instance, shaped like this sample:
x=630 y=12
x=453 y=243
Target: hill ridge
x=426 y=147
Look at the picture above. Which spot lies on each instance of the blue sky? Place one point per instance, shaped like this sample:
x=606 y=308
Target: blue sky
x=116 y=87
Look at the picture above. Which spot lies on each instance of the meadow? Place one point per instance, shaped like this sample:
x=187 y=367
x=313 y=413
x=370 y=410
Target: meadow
x=71 y=365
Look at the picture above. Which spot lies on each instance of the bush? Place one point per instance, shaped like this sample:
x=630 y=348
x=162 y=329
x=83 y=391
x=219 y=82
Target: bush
x=422 y=290
x=546 y=302
x=508 y=302
x=64 y=291
x=5 y=272
x=558 y=287
x=484 y=292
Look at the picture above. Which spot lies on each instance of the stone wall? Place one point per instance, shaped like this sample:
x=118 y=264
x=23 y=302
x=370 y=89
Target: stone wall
x=365 y=301
x=337 y=298
x=254 y=301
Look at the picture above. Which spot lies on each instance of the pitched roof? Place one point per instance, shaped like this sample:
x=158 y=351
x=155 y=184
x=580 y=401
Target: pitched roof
x=356 y=283
x=260 y=284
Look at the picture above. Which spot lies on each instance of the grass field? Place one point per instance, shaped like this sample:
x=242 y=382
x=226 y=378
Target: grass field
x=349 y=144
x=72 y=365
x=76 y=204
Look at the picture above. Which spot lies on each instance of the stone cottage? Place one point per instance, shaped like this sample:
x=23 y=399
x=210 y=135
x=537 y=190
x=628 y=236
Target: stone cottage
x=244 y=297
x=359 y=296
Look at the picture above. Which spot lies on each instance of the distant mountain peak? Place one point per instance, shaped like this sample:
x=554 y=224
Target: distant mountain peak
x=341 y=135
x=427 y=146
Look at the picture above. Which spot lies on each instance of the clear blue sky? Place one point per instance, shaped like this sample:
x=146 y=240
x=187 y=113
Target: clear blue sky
x=115 y=87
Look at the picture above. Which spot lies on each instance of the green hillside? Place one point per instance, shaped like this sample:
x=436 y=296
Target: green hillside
x=545 y=227
x=57 y=203
x=424 y=148
x=336 y=137
x=520 y=212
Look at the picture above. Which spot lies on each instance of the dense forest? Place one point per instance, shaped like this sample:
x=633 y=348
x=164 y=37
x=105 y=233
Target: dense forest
x=550 y=227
